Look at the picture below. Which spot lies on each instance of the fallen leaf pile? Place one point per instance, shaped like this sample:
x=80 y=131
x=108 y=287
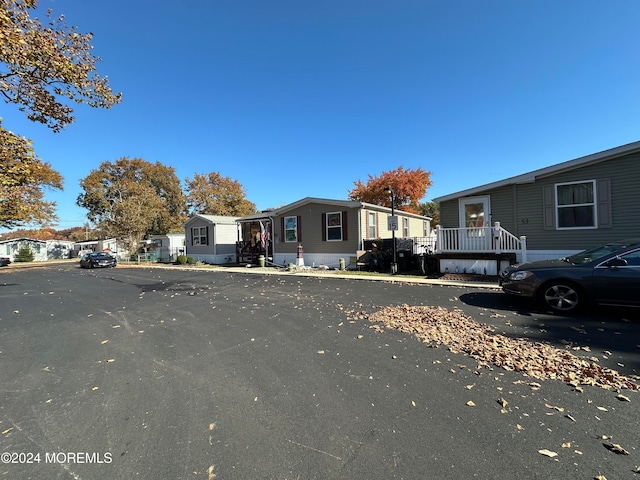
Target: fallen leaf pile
x=440 y=326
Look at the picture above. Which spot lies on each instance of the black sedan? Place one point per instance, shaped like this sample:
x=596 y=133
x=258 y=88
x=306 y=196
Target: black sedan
x=606 y=275
x=98 y=259
x=4 y=261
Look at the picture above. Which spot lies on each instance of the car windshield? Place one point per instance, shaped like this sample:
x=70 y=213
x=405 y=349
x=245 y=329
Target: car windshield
x=100 y=256
x=595 y=253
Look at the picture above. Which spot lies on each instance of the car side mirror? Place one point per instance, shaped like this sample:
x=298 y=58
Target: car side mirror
x=616 y=262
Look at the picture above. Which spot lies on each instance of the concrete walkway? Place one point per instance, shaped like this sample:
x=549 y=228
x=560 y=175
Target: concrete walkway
x=296 y=271
x=332 y=273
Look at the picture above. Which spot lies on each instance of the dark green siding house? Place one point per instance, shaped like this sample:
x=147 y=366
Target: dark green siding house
x=555 y=211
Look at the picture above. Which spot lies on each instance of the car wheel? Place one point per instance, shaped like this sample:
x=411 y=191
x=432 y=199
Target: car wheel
x=561 y=297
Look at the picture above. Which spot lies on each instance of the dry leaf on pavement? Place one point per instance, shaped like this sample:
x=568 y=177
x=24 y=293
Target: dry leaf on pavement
x=211 y=474
x=548 y=453
x=461 y=333
x=615 y=448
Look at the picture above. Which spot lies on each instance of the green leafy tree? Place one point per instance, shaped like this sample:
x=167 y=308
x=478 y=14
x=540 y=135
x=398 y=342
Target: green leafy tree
x=431 y=209
x=409 y=187
x=213 y=194
x=132 y=198
x=24 y=178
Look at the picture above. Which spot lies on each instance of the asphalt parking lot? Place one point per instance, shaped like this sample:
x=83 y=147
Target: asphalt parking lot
x=178 y=374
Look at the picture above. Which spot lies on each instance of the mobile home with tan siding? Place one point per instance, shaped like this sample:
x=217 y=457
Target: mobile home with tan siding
x=326 y=230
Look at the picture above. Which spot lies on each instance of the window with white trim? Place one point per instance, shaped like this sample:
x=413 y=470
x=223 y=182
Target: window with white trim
x=425 y=228
x=576 y=205
x=199 y=235
x=334 y=226
x=372 y=225
x=405 y=227
x=290 y=229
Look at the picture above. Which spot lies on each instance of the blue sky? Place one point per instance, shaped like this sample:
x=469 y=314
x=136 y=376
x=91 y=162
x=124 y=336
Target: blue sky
x=298 y=98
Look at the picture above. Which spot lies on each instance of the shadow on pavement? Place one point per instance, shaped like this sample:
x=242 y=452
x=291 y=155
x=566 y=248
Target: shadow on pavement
x=497 y=301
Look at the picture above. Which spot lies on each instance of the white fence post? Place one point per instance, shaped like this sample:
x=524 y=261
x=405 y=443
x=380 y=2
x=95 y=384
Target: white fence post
x=497 y=235
x=523 y=247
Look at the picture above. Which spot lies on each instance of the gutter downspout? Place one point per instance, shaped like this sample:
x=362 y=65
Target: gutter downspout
x=273 y=241
x=360 y=242
x=215 y=244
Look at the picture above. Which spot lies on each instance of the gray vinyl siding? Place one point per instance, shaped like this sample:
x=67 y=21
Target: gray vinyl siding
x=225 y=237
x=623 y=175
x=502 y=201
x=449 y=214
x=198 y=249
x=520 y=208
x=221 y=237
x=528 y=216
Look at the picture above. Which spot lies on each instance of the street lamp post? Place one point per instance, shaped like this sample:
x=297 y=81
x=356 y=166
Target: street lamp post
x=394 y=226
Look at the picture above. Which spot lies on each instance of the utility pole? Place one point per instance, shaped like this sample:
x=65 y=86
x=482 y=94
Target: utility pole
x=393 y=226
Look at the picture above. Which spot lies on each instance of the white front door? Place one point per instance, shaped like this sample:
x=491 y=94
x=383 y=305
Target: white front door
x=475 y=220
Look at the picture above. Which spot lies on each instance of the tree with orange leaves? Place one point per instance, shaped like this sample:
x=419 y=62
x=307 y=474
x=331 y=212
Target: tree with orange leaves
x=409 y=186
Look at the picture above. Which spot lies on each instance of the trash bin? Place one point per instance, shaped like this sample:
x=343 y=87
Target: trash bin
x=261 y=260
x=342 y=266
x=404 y=260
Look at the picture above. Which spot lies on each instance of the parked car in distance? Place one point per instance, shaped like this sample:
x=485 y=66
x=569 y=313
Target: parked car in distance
x=4 y=261
x=605 y=275
x=98 y=259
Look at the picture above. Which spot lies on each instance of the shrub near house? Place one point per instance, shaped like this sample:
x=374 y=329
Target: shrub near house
x=25 y=254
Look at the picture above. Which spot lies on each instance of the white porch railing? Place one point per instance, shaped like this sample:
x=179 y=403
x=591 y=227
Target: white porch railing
x=479 y=240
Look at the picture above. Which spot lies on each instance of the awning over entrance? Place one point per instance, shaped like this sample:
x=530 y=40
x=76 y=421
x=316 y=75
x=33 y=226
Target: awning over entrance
x=256 y=234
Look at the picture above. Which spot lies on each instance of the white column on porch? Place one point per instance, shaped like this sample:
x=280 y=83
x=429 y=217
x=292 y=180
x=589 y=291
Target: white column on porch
x=497 y=234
